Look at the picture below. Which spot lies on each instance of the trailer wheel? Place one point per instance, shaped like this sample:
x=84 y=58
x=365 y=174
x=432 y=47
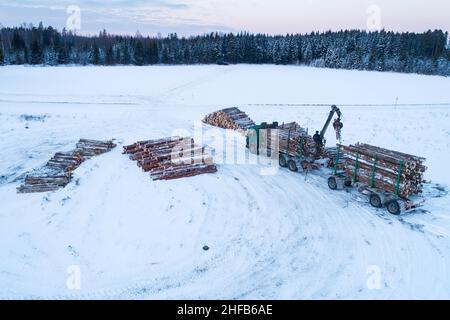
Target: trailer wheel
x=292 y=166
x=332 y=184
x=393 y=207
x=375 y=200
x=282 y=161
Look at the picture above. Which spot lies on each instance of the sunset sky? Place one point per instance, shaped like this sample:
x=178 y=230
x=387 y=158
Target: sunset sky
x=198 y=16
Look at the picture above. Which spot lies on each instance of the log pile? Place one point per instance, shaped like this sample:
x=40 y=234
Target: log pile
x=385 y=169
x=91 y=148
x=48 y=178
x=336 y=158
x=171 y=158
x=231 y=118
x=291 y=136
x=57 y=172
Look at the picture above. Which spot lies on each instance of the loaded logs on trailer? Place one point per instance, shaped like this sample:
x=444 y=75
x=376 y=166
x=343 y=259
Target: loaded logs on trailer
x=230 y=118
x=399 y=173
x=171 y=158
x=335 y=158
x=292 y=139
x=291 y=143
x=57 y=172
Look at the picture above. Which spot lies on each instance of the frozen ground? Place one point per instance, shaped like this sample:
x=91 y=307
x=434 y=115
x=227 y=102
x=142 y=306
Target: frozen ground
x=276 y=236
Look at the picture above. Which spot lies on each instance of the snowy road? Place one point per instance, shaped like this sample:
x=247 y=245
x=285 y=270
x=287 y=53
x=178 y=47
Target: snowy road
x=275 y=236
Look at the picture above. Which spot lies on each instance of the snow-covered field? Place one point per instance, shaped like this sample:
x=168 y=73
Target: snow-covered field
x=281 y=236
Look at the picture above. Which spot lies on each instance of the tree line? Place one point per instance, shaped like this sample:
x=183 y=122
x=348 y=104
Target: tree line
x=425 y=53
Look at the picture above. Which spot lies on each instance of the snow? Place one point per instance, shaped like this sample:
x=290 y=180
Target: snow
x=281 y=236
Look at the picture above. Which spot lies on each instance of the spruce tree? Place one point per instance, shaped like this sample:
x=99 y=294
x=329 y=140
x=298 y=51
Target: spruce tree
x=165 y=56
x=109 y=57
x=153 y=53
x=2 y=55
x=117 y=56
x=63 y=55
x=426 y=52
x=126 y=57
x=36 y=53
x=95 y=55
x=139 y=55
x=17 y=42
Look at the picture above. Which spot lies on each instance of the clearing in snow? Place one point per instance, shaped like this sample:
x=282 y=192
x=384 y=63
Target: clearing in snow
x=234 y=234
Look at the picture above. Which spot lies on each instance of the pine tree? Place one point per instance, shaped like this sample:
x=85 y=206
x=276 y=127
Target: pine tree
x=36 y=53
x=308 y=53
x=63 y=55
x=331 y=58
x=18 y=46
x=17 y=42
x=26 y=55
x=2 y=55
x=95 y=55
x=126 y=57
x=117 y=55
x=165 y=55
x=50 y=56
x=372 y=59
x=384 y=51
x=139 y=55
x=109 y=58
x=153 y=53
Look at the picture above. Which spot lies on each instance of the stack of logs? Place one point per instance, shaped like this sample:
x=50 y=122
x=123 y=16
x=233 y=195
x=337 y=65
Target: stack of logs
x=57 y=172
x=231 y=118
x=91 y=148
x=389 y=170
x=290 y=137
x=336 y=158
x=171 y=158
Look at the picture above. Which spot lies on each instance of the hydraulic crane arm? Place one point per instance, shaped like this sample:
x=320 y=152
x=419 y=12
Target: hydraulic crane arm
x=334 y=110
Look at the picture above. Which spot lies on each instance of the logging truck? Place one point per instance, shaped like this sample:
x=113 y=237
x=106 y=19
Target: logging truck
x=381 y=193
x=290 y=152
x=296 y=149
x=307 y=153
x=388 y=178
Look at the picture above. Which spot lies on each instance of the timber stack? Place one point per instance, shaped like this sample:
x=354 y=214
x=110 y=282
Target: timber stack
x=292 y=139
x=171 y=158
x=388 y=170
x=230 y=118
x=336 y=158
x=57 y=172
x=91 y=148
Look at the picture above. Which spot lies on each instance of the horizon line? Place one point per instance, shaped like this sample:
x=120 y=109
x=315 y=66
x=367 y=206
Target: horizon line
x=138 y=33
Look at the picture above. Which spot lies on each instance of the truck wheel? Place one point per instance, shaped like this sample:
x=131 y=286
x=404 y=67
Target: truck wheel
x=332 y=184
x=375 y=200
x=282 y=161
x=348 y=183
x=292 y=166
x=393 y=207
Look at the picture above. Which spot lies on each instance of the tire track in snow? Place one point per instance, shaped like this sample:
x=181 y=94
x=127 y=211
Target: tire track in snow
x=322 y=276
x=304 y=241
x=400 y=249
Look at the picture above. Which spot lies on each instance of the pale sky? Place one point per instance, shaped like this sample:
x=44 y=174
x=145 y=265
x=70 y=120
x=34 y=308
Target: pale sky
x=188 y=17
